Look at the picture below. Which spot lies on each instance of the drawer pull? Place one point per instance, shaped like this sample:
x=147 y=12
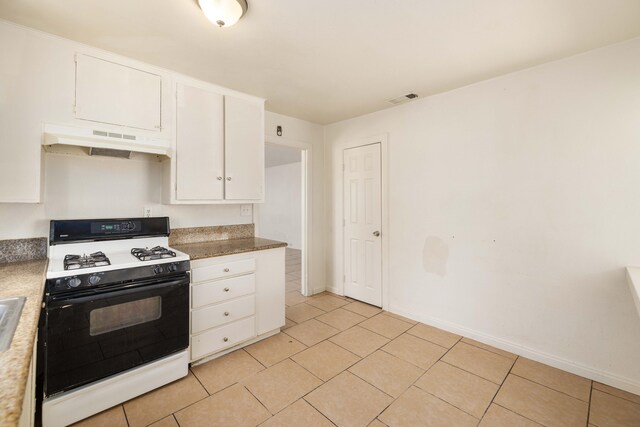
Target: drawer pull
x=225 y=339
x=226 y=270
x=226 y=313
x=226 y=289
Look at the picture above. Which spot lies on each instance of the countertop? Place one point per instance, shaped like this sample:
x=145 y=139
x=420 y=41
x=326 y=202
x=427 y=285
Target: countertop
x=26 y=279
x=216 y=248
x=633 y=277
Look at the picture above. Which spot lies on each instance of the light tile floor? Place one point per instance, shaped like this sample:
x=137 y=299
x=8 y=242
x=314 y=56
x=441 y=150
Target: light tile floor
x=341 y=362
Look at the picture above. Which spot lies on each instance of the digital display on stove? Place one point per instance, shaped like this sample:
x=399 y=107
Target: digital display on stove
x=115 y=227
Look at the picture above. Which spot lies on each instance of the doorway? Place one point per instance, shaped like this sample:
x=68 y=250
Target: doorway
x=362 y=223
x=283 y=215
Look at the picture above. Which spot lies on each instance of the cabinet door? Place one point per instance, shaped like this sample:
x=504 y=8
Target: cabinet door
x=199 y=144
x=244 y=149
x=107 y=92
x=270 y=286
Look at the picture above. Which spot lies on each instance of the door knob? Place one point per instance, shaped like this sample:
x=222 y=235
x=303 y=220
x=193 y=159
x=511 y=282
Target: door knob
x=228 y=178
x=219 y=178
x=376 y=233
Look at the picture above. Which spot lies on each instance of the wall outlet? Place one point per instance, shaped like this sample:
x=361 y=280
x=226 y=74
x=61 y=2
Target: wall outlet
x=245 y=210
x=146 y=212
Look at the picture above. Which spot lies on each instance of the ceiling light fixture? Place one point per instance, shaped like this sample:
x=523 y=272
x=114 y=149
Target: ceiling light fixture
x=223 y=13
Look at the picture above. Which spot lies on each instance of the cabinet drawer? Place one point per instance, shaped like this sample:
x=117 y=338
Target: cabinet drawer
x=224 y=269
x=219 y=314
x=222 y=290
x=220 y=338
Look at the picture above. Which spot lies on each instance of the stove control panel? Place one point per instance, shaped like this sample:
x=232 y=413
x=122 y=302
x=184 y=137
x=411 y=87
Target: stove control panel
x=116 y=277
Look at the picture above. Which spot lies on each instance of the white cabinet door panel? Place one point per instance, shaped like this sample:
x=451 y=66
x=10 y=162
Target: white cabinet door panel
x=111 y=93
x=244 y=149
x=199 y=144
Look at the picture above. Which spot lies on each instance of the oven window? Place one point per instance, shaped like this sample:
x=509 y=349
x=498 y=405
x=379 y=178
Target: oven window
x=114 y=317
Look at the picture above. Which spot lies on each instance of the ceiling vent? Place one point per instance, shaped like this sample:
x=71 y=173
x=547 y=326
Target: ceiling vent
x=402 y=99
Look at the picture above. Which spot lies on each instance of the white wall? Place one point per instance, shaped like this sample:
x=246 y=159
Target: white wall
x=281 y=212
x=310 y=137
x=531 y=182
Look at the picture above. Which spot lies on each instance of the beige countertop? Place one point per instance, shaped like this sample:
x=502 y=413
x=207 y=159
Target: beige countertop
x=26 y=279
x=216 y=248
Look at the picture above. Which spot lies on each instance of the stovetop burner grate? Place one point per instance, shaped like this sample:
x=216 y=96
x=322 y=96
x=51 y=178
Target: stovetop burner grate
x=75 y=262
x=146 y=254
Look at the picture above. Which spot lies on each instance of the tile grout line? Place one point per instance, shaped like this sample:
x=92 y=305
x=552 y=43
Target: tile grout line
x=551 y=388
x=512 y=411
x=589 y=406
x=500 y=388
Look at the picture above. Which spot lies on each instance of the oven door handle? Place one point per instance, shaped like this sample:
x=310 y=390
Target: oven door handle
x=64 y=300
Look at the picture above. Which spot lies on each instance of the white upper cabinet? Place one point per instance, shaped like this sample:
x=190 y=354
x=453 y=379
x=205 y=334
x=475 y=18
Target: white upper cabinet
x=219 y=147
x=107 y=92
x=199 y=144
x=244 y=149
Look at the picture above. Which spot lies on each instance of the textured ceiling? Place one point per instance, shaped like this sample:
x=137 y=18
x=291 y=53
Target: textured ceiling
x=329 y=60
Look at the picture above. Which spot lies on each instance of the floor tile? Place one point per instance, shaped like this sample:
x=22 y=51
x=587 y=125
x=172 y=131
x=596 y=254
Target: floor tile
x=490 y=348
x=387 y=372
x=326 y=302
x=287 y=324
x=415 y=350
x=617 y=392
x=377 y=423
x=349 y=401
x=164 y=401
x=612 y=411
x=541 y=404
x=275 y=349
x=483 y=363
x=362 y=309
x=224 y=371
x=341 y=319
x=497 y=416
x=359 y=341
x=301 y=312
x=169 y=421
x=397 y=316
x=298 y=414
x=325 y=360
x=233 y=406
x=312 y=332
x=280 y=385
x=460 y=388
x=561 y=381
x=435 y=335
x=292 y=286
x=418 y=408
x=113 y=417
x=386 y=326
x=294 y=297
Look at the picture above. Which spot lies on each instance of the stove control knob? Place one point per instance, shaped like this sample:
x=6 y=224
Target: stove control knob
x=172 y=267
x=74 y=282
x=94 y=279
x=158 y=269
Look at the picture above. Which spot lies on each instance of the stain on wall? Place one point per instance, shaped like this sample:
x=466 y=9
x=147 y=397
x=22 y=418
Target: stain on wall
x=435 y=256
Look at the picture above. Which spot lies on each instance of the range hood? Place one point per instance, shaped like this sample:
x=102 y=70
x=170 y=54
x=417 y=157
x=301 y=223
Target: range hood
x=102 y=142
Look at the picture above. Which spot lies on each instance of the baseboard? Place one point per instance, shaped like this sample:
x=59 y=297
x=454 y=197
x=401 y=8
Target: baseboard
x=604 y=377
x=333 y=290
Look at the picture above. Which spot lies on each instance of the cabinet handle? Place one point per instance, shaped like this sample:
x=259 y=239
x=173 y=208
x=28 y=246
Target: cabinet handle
x=219 y=178
x=226 y=270
x=228 y=178
x=225 y=339
x=226 y=313
x=226 y=289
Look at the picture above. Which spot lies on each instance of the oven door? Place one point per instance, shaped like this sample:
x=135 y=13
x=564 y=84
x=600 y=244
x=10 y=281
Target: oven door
x=93 y=336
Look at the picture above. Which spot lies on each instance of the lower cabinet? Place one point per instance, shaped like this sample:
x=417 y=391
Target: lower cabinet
x=235 y=300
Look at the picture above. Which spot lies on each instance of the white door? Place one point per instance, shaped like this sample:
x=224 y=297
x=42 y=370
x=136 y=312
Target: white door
x=362 y=221
x=111 y=93
x=244 y=149
x=199 y=144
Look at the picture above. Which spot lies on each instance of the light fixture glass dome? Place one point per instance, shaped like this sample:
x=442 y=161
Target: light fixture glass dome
x=223 y=13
